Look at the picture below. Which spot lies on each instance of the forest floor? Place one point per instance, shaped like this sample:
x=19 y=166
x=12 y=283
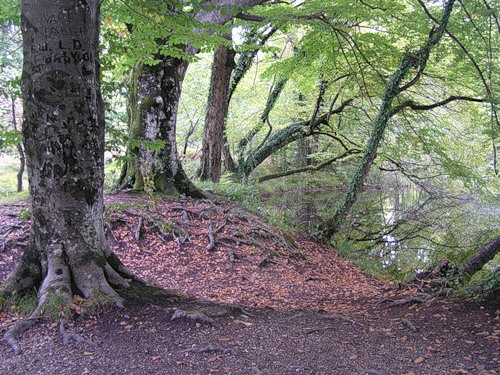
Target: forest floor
x=304 y=309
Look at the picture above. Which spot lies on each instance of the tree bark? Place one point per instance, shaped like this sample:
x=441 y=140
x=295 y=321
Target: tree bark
x=63 y=134
x=154 y=164
x=215 y=121
x=274 y=143
x=483 y=256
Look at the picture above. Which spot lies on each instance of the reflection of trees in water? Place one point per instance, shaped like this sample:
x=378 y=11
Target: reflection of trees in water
x=308 y=216
x=404 y=227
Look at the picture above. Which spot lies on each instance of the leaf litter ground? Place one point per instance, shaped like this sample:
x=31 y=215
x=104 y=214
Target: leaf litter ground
x=306 y=310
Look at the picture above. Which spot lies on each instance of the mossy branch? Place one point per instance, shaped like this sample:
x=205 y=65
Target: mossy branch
x=310 y=168
x=410 y=60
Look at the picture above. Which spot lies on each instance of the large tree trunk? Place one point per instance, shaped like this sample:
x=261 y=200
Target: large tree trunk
x=154 y=102
x=215 y=121
x=63 y=133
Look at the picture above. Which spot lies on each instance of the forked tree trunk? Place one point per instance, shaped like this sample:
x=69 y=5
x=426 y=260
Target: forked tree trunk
x=63 y=133
x=215 y=120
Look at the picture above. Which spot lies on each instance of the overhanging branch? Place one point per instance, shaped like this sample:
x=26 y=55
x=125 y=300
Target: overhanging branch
x=310 y=168
x=425 y=107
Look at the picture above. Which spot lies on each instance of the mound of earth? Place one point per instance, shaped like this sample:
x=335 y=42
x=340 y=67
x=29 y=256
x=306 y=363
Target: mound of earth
x=303 y=309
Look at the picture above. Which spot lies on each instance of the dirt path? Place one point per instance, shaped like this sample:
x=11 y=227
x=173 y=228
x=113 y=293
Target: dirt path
x=309 y=312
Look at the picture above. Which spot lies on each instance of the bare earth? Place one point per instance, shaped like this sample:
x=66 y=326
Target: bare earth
x=305 y=310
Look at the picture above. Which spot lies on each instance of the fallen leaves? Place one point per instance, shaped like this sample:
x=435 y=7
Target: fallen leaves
x=459 y=371
x=189 y=268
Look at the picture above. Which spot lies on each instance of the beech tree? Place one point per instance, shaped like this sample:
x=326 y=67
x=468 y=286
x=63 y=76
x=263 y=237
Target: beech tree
x=63 y=133
x=155 y=166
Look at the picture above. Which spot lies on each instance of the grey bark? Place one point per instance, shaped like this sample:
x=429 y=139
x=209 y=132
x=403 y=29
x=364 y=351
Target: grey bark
x=63 y=134
x=154 y=104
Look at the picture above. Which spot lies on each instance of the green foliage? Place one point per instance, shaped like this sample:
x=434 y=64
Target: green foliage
x=492 y=283
x=56 y=307
x=155 y=145
x=99 y=302
x=248 y=195
x=112 y=170
x=22 y=304
x=9 y=138
x=9 y=167
x=24 y=213
x=117 y=207
x=9 y=12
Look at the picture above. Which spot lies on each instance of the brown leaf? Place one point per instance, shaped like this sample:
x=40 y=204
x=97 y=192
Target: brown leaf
x=418 y=360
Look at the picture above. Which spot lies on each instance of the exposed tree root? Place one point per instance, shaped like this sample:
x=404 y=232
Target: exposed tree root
x=17 y=329
x=409 y=325
x=210 y=349
x=211 y=238
x=205 y=314
x=58 y=274
x=69 y=336
x=407 y=301
x=321 y=329
x=196 y=316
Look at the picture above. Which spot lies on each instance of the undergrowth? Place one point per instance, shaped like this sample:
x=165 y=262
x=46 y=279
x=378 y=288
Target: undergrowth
x=19 y=303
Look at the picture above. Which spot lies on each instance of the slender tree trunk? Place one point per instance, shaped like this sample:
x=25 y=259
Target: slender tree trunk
x=215 y=121
x=412 y=60
x=20 y=149
x=63 y=133
x=264 y=118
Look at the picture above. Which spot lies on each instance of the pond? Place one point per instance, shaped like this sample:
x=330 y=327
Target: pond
x=397 y=229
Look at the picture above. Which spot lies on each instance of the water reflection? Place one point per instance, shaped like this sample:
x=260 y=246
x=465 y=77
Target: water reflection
x=403 y=228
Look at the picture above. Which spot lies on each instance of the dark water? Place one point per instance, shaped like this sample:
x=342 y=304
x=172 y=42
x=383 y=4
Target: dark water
x=400 y=229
